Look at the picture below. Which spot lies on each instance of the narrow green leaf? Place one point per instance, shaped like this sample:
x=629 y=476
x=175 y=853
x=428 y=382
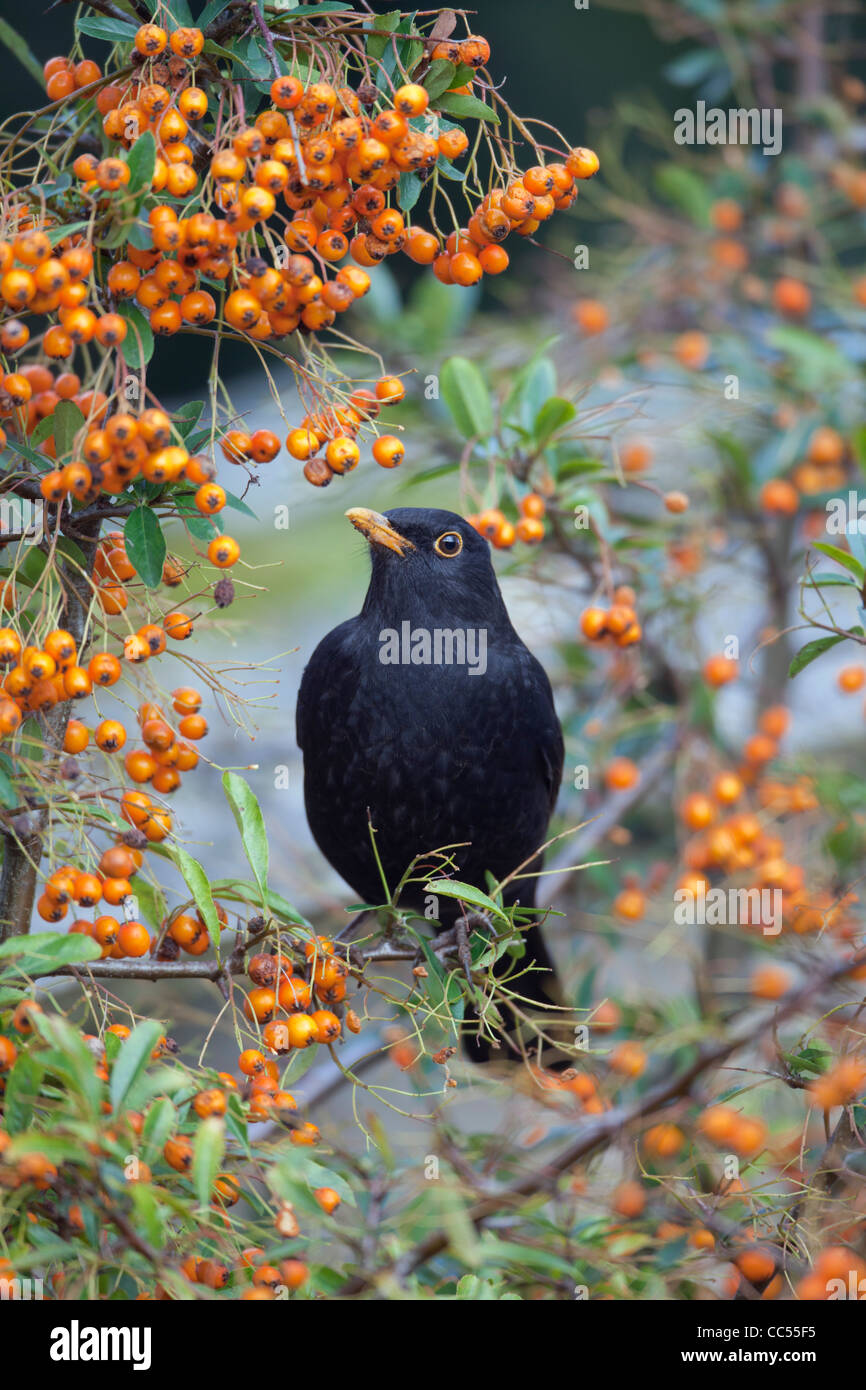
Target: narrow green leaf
x=49 y=950
x=554 y=415
x=198 y=884
x=377 y=43
x=207 y=1154
x=8 y=794
x=99 y=26
x=210 y=12
x=439 y=77
x=159 y=1122
x=138 y=343
x=149 y=1217
x=807 y=654
x=466 y=107
x=132 y=1059
x=67 y=422
x=18 y=46
x=230 y=56
x=22 y=1092
x=145 y=545
x=842 y=557
x=70 y=1057
x=465 y=393
x=453 y=888
x=141 y=161
x=251 y=824
x=186 y=419
x=408 y=191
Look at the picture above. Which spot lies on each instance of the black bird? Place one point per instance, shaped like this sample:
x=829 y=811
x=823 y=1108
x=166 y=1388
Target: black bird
x=432 y=752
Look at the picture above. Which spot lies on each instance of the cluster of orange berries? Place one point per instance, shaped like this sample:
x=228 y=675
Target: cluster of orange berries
x=725 y=1127
x=186 y=932
x=41 y=677
x=740 y=842
x=162 y=760
x=333 y=165
x=165 y=756
x=618 y=623
x=38 y=277
x=332 y=159
x=334 y=428
x=495 y=527
x=112 y=884
x=128 y=447
x=823 y=468
x=277 y=990
x=521 y=206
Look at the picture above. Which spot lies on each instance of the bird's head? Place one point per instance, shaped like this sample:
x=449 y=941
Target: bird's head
x=428 y=561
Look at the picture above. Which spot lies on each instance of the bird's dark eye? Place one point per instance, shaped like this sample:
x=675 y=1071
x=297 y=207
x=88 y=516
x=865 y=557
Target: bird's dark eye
x=449 y=544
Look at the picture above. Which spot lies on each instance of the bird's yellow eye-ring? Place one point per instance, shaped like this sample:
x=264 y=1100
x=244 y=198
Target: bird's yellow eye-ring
x=449 y=544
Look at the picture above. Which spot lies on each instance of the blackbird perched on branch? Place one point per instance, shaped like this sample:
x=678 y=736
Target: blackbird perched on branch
x=427 y=718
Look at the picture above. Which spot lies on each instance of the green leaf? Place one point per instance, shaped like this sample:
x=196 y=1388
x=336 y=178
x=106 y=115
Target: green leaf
x=36 y=954
x=453 y=888
x=465 y=393
x=141 y=162
x=151 y=903
x=811 y=650
x=138 y=343
x=686 y=189
x=439 y=77
x=817 y=363
x=99 y=26
x=40 y=461
x=309 y=11
x=842 y=557
x=466 y=107
x=238 y=506
x=145 y=545
x=210 y=12
x=442 y=987
x=18 y=46
x=207 y=1155
x=532 y=386
x=575 y=467
x=131 y=1061
x=67 y=421
x=186 y=419
x=251 y=824
x=198 y=884
x=377 y=43
x=553 y=416
x=159 y=1122
x=219 y=52
x=56 y=234
x=149 y=1217
x=828 y=579
x=409 y=191
x=8 y=794
x=70 y=1057
x=241 y=890
x=22 y=1092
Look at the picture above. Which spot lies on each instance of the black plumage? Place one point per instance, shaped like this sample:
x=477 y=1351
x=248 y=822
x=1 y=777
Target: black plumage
x=437 y=754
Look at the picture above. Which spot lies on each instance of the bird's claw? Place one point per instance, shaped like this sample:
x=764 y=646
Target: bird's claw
x=457 y=939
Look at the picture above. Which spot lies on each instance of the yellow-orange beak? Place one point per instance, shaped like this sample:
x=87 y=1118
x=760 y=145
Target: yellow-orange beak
x=378 y=530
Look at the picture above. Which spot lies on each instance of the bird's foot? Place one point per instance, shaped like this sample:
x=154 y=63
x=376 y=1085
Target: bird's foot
x=457 y=939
